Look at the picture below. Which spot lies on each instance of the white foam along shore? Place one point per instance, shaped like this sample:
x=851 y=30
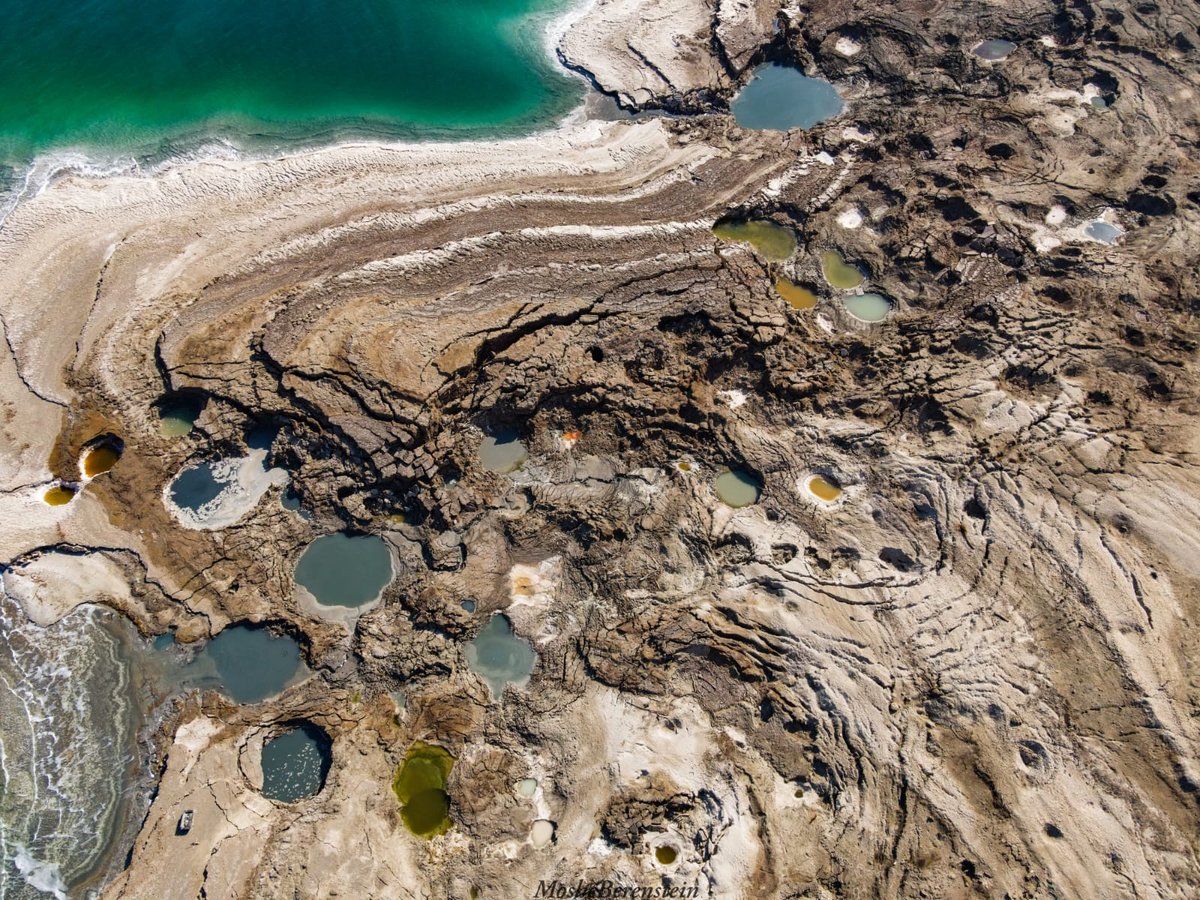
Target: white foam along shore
x=38 y=874
x=65 y=162
x=223 y=144
x=66 y=699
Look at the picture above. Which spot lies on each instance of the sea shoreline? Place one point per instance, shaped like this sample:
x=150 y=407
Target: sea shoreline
x=222 y=139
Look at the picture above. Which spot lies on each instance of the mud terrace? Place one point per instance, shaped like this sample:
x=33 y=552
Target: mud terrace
x=975 y=674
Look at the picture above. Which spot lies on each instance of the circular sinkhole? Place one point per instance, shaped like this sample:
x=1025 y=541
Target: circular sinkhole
x=797 y=295
x=772 y=240
x=199 y=485
x=345 y=569
x=251 y=662
x=100 y=455
x=839 y=273
x=994 y=49
x=60 y=494
x=177 y=413
x=736 y=488
x=500 y=656
x=780 y=98
x=666 y=854
x=526 y=787
x=1103 y=232
x=501 y=451
x=420 y=786
x=868 y=307
x=296 y=762
x=823 y=487
x=542 y=833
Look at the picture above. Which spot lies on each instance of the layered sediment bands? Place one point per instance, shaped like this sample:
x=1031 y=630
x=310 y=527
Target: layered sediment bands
x=677 y=55
x=971 y=675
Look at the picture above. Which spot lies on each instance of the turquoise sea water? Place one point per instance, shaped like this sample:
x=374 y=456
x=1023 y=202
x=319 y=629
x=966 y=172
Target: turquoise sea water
x=135 y=76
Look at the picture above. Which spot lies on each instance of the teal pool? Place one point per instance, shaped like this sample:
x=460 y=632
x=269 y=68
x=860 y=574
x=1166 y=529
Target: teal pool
x=195 y=487
x=345 y=569
x=499 y=656
x=867 y=307
x=250 y=662
x=296 y=763
x=779 y=98
x=1103 y=232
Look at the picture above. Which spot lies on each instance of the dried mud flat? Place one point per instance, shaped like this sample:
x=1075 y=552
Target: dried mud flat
x=975 y=673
